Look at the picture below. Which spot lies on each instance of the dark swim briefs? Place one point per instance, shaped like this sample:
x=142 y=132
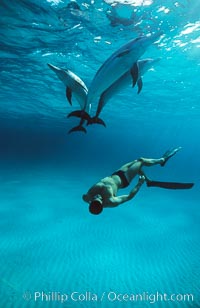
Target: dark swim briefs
x=123 y=178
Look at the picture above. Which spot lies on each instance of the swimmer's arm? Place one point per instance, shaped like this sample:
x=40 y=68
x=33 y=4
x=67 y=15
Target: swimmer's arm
x=115 y=201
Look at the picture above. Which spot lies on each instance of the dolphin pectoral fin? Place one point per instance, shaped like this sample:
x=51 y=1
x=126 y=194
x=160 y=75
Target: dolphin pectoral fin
x=139 y=84
x=78 y=128
x=96 y=120
x=134 y=73
x=123 y=53
x=80 y=114
x=69 y=95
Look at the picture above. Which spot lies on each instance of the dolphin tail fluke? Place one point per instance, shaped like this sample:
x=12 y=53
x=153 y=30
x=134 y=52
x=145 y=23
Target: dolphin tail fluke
x=80 y=114
x=96 y=120
x=78 y=128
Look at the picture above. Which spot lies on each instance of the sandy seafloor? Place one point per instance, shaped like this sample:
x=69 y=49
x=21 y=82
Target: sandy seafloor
x=50 y=242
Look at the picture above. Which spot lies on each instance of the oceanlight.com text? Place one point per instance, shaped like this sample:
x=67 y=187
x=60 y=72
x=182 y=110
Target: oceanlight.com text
x=112 y=296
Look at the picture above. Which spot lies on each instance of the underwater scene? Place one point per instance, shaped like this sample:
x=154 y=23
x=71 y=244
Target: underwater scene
x=99 y=114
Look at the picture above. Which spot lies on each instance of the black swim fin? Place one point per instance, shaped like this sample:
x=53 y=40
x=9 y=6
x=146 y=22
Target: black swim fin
x=169 y=154
x=96 y=120
x=169 y=185
x=80 y=114
x=77 y=129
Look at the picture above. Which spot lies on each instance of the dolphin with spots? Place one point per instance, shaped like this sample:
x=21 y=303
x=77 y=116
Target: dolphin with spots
x=75 y=90
x=73 y=82
x=74 y=85
x=142 y=66
x=116 y=66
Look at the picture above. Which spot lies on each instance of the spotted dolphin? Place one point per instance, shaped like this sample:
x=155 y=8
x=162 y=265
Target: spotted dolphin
x=75 y=89
x=115 y=66
x=142 y=66
x=118 y=64
x=76 y=85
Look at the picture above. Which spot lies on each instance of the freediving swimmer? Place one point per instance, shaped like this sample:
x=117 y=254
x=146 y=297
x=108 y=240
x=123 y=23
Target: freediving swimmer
x=114 y=67
x=104 y=193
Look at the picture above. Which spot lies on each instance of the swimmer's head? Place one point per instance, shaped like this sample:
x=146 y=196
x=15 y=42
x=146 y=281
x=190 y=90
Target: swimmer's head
x=96 y=206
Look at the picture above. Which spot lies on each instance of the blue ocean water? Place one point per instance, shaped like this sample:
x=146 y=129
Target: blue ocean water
x=50 y=245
